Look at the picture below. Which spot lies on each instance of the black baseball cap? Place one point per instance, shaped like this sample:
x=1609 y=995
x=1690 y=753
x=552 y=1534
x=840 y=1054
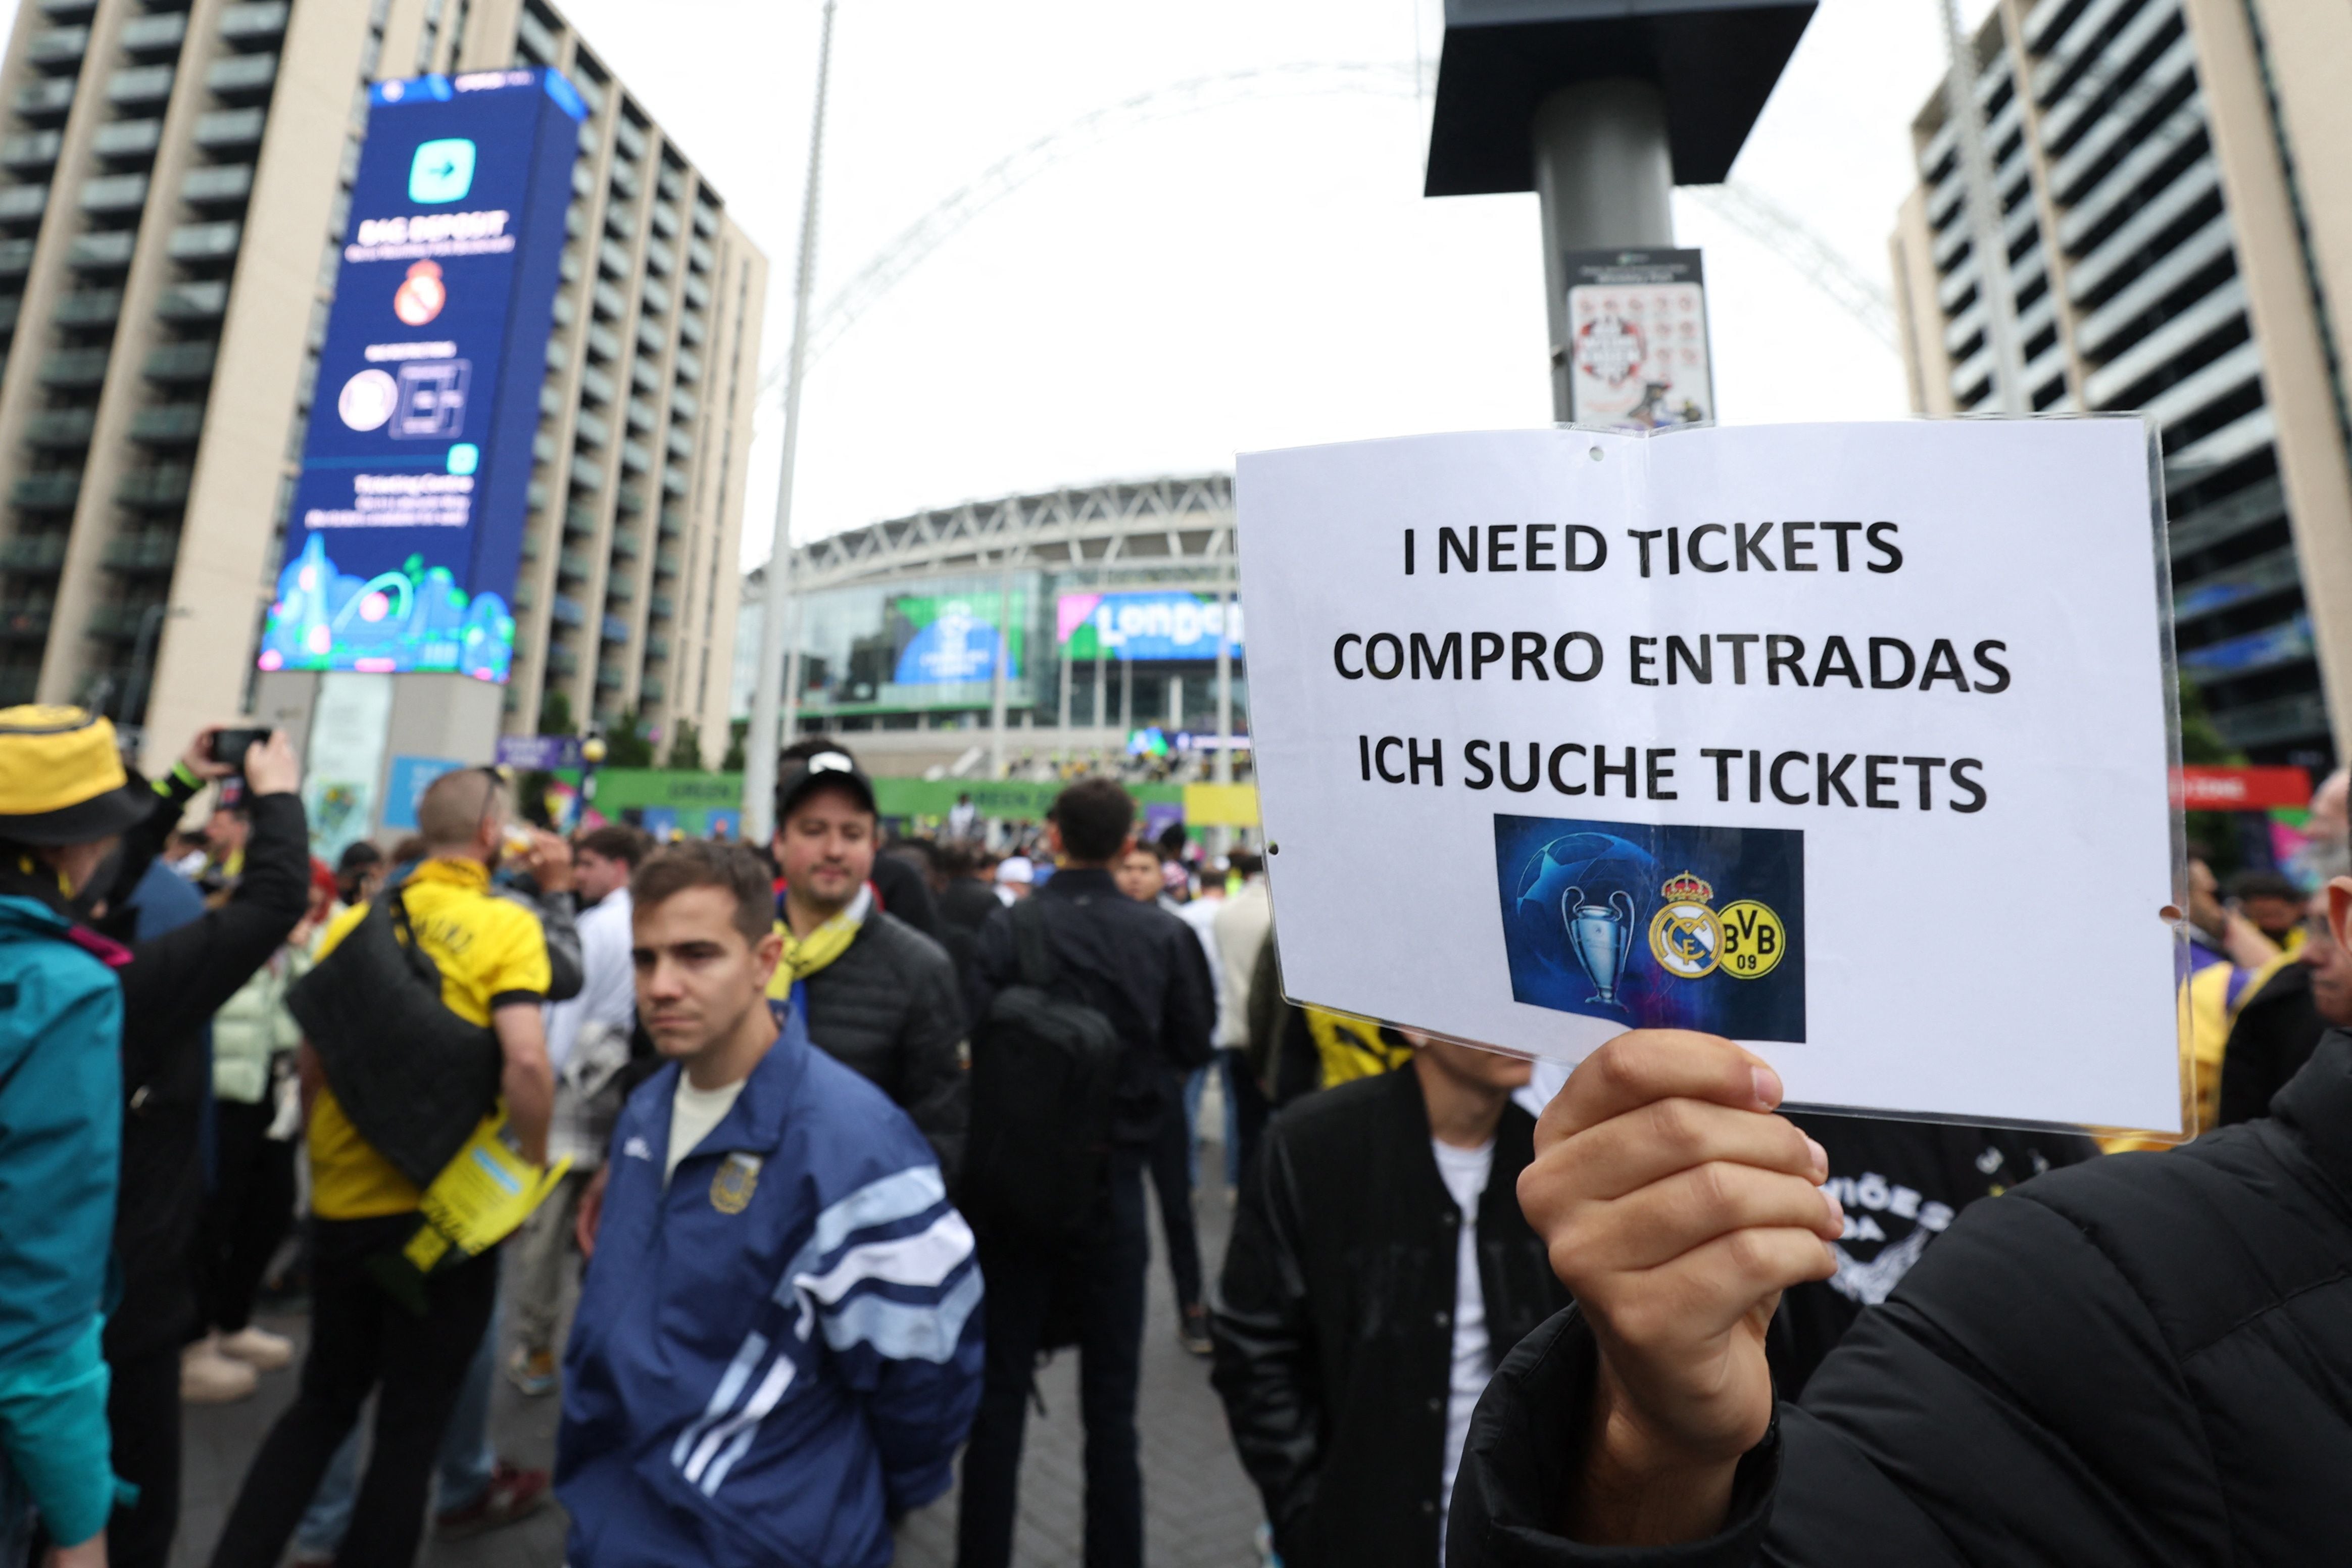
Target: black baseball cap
x=799 y=775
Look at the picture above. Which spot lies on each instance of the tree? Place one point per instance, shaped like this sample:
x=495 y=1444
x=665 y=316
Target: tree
x=555 y=714
x=737 y=729
x=2202 y=742
x=686 y=748
x=626 y=745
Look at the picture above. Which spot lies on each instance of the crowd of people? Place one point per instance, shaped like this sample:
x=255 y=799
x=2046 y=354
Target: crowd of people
x=842 y=1136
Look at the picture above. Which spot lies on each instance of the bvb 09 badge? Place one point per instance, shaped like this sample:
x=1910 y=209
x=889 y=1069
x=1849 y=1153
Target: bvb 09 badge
x=1691 y=941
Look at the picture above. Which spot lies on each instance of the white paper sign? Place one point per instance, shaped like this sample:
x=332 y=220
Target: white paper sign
x=1849 y=741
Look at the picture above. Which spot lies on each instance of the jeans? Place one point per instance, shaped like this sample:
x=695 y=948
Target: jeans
x=1223 y=1066
x=465 y=1462
x=1104 y=1267
x=363 y=1341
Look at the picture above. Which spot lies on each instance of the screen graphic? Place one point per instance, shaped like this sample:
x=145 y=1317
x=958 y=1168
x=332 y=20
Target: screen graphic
x=1146 y=625
x=407 y=520
x=1658 y=927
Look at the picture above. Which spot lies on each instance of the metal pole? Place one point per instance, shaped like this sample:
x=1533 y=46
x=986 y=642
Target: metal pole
x=1125 y=697
x=1604 y=180
x=1004 y=658
x=1987 y=236
x=761 y=743
x=1066 y=665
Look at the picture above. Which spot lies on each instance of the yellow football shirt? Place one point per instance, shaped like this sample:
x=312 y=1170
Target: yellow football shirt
x=491 y=954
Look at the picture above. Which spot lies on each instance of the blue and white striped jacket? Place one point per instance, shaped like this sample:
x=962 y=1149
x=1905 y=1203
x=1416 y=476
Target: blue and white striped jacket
x=781 y=1349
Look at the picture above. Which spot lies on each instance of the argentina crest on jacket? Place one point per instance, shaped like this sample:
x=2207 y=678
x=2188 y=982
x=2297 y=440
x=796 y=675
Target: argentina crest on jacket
x=732 y=1184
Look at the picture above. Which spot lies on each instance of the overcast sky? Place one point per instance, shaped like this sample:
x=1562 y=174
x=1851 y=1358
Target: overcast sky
x=1261 y=273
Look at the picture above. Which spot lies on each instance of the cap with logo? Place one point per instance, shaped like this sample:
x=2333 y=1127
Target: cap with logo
x=801 y=775
x=62 y=780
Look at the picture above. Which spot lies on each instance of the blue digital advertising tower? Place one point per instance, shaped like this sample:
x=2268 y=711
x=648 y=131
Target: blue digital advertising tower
x=407 y=520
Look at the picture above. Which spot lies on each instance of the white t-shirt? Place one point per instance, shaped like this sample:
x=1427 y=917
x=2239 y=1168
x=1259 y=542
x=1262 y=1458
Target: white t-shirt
x=693 y=1113
x=1464 y=1173
x=608 y=989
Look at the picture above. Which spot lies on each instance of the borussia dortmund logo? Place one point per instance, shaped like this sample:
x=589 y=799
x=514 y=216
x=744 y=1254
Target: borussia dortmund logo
x=1753 y=940
x=1685 y=936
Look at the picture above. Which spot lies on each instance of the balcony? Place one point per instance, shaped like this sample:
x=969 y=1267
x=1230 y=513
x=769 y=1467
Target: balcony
x=138 y=554
x=114 y=195
x=650 y=689
x=204 y=301
x=706 y=220
x=87 y=308
x=619 y=591
x=59 y=50
x=612 y=259
x=168 y=424
x=674 y=482
x=652 y=338
x=626 y=545
x=699 y=256
x=690 y=330
x=696 y=292
x=634 y=458
x=687 y=364
x=586 y=476
x=46 y=492
x=580 y=521
x=224 y=129
x=592 y=430
x=662 y=607
x=666 y=562
x=597 y=386
x=656 y=645
x=562 y=661
x=565 y=611
x=660 y=258
x=23 y=621
x=242 y=78
x=248 y=26
x=180 y=362
x=629 y=137
x=665 y=216
x=683 y=405
x=22 y=204
x=61 y=429
x=572 y=564
x=34 y=554
x=156 y=34
x=31 y=153
x=159 y=488
x=220 y=186
x=617 y=221
x=609 y=303
x=203 y=242
x=68 y=10
x=673 y=522
x=74 y=369
x=628 y=500
x=604 y=343
x=127 y=140
x=642 y=417
x=45 y=103
x=616 y=629
x=680 y=442
x=109 y=250
x=610 y=677
x=140 y=87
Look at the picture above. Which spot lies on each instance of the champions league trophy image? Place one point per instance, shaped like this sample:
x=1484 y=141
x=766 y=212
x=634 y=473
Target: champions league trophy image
x=1600 y=936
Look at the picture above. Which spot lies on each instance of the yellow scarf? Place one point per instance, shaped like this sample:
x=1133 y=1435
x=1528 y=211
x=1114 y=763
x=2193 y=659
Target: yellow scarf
x=805 y=955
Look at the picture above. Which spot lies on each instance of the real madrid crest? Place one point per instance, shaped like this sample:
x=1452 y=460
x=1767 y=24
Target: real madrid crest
x=1686 y=937
x=737 y=1179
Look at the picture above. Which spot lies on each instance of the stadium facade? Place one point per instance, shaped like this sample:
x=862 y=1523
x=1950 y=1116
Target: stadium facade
x=1106 y=603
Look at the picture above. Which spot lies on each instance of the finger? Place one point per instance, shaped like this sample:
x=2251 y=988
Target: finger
x=1688 y=1210
x=1703 y=1292
x=1644 y=1064
x=1655 y=1140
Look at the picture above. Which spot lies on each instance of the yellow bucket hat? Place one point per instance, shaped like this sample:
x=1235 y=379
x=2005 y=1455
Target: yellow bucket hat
x=62 y=780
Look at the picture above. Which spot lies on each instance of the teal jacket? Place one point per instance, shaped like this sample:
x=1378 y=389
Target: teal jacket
x=61 y=1138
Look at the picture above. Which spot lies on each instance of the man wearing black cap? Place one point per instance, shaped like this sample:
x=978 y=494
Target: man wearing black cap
x=879 y=995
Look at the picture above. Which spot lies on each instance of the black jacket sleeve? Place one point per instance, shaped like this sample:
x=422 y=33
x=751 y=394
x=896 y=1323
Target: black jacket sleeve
x=180 y=979
x=144 y=842
x=936 y=1089
x=1266 y=1368
x=905 y=895
x=1190 y=1023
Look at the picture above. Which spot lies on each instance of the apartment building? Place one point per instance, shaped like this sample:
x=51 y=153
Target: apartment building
x=174 y=185
x=2177 y=219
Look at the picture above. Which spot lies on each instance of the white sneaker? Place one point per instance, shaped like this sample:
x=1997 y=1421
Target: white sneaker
x=258 y=1348
x=208 y=1377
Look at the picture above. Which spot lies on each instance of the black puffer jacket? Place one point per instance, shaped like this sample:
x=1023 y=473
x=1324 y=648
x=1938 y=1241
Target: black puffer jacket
x=1334 y=1321
x=2147 y=1359
x=890 y=1009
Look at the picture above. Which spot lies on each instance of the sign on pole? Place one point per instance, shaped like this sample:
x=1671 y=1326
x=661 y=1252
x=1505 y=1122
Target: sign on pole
x=1773 y=732
x=1637 y=340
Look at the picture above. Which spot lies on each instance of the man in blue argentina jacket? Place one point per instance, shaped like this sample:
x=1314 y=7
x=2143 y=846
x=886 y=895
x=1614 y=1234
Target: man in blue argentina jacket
x=778 y=1344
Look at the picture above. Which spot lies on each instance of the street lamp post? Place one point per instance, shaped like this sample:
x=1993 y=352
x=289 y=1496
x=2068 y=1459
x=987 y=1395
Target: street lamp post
x=774 y=686
x=592 y=757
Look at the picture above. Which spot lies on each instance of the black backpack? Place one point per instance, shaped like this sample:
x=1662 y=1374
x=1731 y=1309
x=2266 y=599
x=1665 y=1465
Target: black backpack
x=412 y=1078
x=1044 y=1071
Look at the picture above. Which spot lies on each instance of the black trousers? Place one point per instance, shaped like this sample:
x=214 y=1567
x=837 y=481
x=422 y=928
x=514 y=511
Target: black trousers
x=1171 y=1183
x=249 y=1211
x=361 y=1339
x=1104 y=1268
x=1250 y=1108
x=142 y=1415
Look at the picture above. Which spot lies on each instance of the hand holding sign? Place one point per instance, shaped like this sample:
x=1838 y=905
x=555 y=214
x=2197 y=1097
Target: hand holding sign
x=1752 y=732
